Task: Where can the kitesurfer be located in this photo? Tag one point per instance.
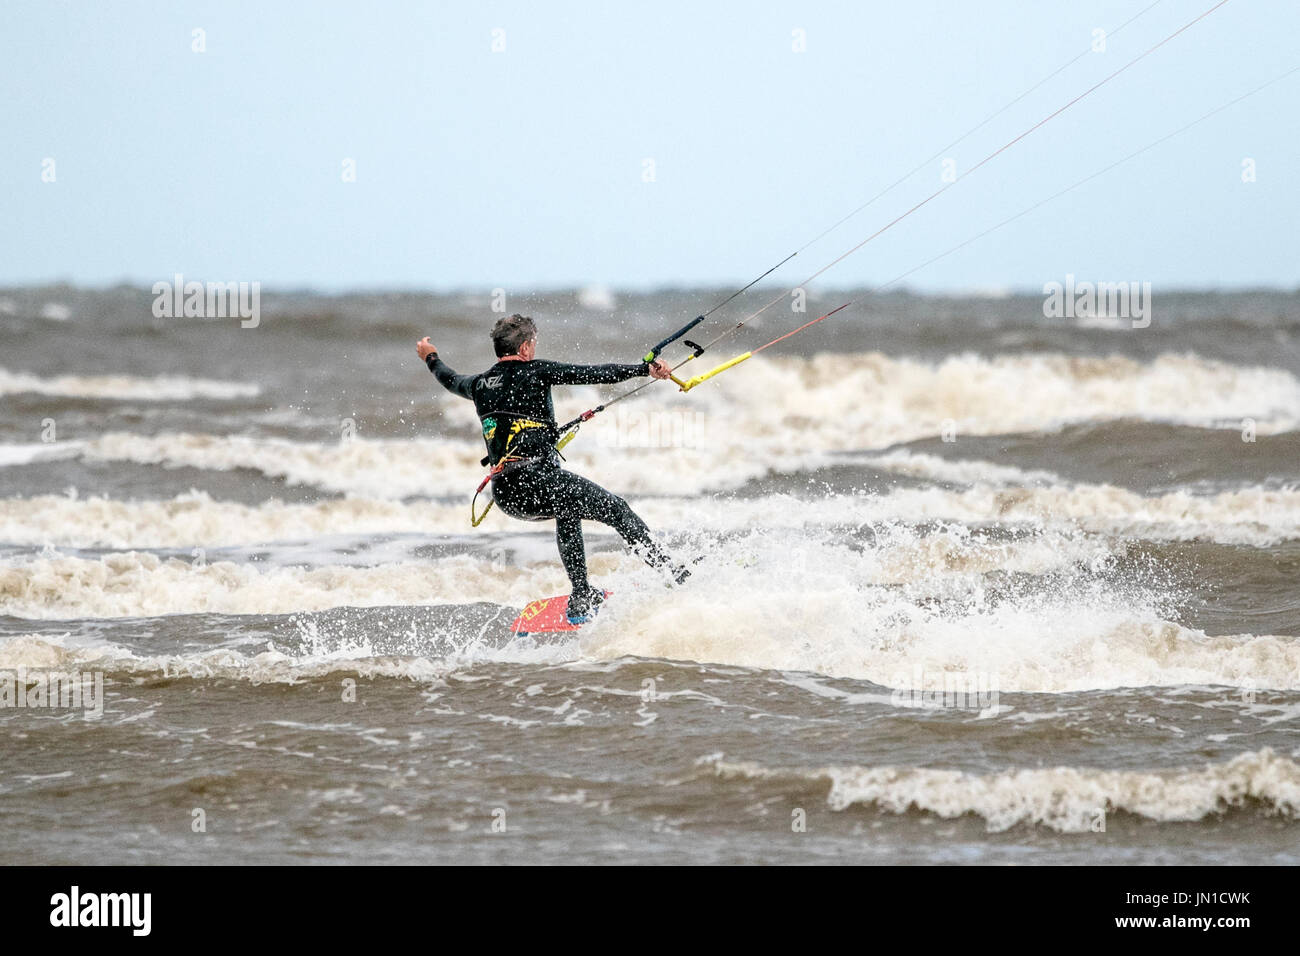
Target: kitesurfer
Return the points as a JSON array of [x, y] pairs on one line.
[[513, 401]]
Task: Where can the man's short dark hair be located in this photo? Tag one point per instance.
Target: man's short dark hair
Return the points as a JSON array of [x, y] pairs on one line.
[[509, 334]]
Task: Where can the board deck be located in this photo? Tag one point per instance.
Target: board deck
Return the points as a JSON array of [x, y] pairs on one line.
[[546, 616]]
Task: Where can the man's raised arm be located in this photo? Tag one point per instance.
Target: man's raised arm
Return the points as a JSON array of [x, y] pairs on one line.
[[462, 385]]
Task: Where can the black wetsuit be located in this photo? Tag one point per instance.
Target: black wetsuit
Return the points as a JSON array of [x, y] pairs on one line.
[[513, 401]]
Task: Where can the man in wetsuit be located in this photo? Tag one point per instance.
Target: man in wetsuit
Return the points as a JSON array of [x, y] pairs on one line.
[[513, 401]]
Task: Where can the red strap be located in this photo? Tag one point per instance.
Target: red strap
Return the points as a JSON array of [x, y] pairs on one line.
[[496, 470]]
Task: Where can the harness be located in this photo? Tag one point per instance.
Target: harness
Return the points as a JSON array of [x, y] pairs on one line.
[[500, 442]]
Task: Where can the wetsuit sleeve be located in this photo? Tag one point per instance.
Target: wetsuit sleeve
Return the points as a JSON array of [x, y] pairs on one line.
[[558, 373], [462, 385]]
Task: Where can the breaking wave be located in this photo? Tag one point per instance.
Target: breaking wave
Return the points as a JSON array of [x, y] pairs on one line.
[[783, 416], [1065, 799], [1050, 613], [1253, 516], [161, 388]]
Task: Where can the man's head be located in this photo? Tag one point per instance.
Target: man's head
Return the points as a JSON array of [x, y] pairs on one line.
[[514, 336]]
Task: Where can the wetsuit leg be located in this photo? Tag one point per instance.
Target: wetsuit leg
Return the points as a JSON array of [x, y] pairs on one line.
[[573, 551], [546, 491], [582, 499]]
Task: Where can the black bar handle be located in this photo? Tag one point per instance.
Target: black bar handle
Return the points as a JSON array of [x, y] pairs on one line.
[[654, 352]]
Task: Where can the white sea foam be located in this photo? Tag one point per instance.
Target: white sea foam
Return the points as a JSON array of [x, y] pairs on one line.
[[28, 452], [899, 617], [55, 312], [44, 652], [784, 415], [135, 583], [910, 605], [869, 400], [195, 519], [1066, 799], [597, 298], [1253, 516], [954, 471], [370, 467], [159, 389], [132, 584]]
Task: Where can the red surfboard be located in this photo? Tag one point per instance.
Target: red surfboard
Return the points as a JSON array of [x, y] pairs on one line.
[[546, 616]]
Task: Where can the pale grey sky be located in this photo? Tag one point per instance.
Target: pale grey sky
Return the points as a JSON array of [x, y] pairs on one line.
[[526, 167]]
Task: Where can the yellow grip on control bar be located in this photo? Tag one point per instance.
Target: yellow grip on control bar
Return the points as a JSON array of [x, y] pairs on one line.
[[692, 382]]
